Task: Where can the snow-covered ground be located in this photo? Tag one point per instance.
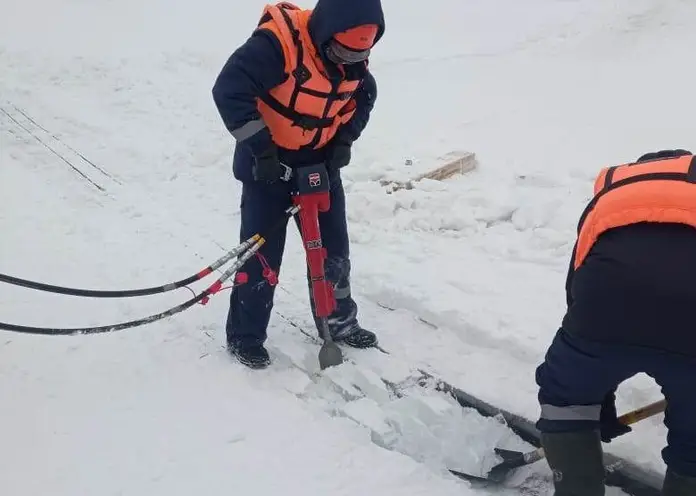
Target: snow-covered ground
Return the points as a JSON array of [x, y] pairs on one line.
[[463, 278]]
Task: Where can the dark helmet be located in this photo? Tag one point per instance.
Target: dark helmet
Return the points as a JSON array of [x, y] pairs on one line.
[[662, 154]]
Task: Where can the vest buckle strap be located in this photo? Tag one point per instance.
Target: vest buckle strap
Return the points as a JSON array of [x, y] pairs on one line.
[[309, 122]]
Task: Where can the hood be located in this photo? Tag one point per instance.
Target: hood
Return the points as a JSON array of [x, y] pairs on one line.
[[333, 16]]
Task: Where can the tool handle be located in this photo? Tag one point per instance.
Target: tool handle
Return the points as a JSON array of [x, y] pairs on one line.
[[643, 412]]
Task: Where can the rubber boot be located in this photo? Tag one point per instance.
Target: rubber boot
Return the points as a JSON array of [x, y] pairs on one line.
[[678, 485], [577, 462]]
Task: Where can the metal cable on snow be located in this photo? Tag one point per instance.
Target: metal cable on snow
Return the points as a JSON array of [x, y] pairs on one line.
[[52, 150]]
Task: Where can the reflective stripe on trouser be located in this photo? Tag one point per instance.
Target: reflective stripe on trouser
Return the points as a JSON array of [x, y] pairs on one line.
[[571, 412]]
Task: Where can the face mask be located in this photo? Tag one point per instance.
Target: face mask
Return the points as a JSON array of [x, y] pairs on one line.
[[339, 54]]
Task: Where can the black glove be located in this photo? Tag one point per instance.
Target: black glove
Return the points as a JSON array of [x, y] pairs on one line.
[[267, 167], [339, 154], [609, 424]]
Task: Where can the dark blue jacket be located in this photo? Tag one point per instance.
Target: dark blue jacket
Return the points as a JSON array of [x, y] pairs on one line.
[[258, 66], [636, 287]]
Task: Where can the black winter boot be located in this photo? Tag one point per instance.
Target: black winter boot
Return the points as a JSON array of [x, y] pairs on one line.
[[253, 356], [577, 462], [678, 485], [360, 338]]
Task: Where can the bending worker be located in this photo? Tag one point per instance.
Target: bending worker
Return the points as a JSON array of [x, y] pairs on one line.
[[631, 293]]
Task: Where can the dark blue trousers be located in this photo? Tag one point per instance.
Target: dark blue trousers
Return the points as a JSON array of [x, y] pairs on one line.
[[262, 206], [577, 374]]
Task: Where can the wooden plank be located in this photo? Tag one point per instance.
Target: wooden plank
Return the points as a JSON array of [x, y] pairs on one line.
[[456, 162]]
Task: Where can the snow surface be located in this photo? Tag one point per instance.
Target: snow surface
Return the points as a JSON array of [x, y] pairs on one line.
[[463, 278]]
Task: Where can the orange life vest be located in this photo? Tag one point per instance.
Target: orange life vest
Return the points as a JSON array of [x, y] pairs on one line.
[[663, 190], [306, 109]]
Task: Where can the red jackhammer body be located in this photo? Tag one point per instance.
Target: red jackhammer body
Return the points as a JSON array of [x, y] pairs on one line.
[[313, 197], [322, 291]]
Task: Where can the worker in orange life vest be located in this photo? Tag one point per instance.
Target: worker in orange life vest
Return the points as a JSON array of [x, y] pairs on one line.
[[297, 92], [631, 292]]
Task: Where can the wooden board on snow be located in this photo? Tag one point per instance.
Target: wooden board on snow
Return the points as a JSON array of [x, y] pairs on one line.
[[456, 162]]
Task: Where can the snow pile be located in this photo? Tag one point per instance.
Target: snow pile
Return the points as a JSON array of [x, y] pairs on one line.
[[170, 414], [408, 415]]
